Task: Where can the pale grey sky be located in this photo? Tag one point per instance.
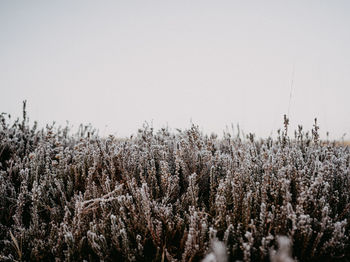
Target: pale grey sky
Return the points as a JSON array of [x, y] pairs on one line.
[[117, 64]]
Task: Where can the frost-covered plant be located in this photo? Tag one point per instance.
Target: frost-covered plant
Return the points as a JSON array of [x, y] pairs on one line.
[[171, 196]]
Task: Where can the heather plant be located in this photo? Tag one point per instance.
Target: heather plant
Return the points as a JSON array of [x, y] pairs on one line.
[[171, 196]]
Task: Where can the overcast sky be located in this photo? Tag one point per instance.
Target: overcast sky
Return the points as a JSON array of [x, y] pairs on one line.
[[116, 64]]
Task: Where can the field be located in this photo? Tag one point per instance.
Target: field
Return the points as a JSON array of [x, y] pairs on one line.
[[171, 196]]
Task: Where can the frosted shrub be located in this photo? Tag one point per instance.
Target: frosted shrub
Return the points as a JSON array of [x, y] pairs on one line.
[[163, 196]]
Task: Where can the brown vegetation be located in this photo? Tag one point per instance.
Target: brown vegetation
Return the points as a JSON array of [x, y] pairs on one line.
[[166, 196]]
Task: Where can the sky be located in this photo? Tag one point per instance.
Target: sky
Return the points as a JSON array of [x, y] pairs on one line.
[[117, 64]]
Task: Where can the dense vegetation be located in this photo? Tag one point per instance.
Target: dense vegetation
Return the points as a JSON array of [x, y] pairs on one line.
[[166, 196]]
